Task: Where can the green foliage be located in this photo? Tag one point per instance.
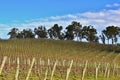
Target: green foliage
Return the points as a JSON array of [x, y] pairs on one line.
[[111, 32], [89, 33], [55, 32], [74, 31], [13, 33], [41, 32], [27, 33]]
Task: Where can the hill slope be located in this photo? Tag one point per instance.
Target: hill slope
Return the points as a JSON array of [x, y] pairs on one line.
[[59, 49]]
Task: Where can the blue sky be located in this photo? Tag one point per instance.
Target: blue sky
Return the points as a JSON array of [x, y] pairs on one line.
[[32, 13], [11, 10]]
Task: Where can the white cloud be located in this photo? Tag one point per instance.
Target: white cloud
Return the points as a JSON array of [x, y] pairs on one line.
[[93, 14], [113, 5], [63, 17], [99, 19]]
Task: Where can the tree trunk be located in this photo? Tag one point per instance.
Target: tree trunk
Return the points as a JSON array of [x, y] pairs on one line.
[[112, 41]]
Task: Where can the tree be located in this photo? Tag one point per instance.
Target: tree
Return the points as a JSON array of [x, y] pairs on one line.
[[41, 32], [69, 34], [55, 32], [27, 33], [89, 33], [74, 30], [50, 32], [112, 32], [102, 37], [77, 30], [13, 33], [105, 32], [20, 35]]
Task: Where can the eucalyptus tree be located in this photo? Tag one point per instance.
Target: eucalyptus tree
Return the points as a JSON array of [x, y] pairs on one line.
[[41, 32], [55, 32], [13, 33], [69, 34], [77, 30], [102, 37], [27, 33], [74, 30], [90, 33], [112, 32], [20, 35]]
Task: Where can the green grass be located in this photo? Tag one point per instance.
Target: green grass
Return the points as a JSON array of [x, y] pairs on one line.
[[60, 50]]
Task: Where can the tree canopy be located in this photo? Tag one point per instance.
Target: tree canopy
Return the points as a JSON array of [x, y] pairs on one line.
[[74, 31]]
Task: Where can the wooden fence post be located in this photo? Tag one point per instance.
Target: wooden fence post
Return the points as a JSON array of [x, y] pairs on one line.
[[3, 63], [33, 61]]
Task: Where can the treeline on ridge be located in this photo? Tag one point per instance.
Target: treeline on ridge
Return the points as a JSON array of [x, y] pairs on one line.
[[74, 31]]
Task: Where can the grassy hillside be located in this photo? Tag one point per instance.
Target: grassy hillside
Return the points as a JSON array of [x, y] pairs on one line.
[[103, 60], [59, 49]]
